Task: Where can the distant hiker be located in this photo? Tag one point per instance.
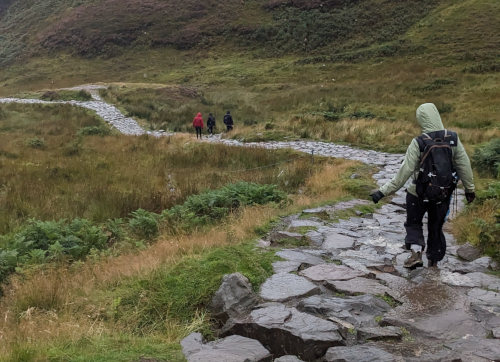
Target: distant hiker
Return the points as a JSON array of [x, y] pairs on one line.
[[435, 160], [228, 121], [198, 124], [210, 123]]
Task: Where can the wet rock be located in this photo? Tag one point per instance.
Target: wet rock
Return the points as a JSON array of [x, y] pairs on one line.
[[234, 297], [286, 266], [485, 281], [337, 241], [496, 332], [323, 272], [286, 331], [457, 279], [358, 286], [282, 287], [304, 223], [470, 347], [230, 349], [300, 256], [288, 358], [478, 265], [315, 237], [359, 310], [484, 297], [379, 333], [468, 252], [361, 353]]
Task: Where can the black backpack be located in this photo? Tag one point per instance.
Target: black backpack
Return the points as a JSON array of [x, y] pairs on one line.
[[437, 177]]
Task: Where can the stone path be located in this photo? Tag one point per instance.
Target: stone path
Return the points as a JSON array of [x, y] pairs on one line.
[[345, 296]]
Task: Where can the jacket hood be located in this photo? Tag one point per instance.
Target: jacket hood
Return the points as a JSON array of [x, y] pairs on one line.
[[199, 114], [428, 118]]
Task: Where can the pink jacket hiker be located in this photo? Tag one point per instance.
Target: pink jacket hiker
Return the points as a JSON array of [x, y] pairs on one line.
[[198, 121]]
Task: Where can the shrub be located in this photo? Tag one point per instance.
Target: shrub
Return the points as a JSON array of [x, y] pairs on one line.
[[213, 205], [36, 142], [144, 223], [486, 158], [101, 130]]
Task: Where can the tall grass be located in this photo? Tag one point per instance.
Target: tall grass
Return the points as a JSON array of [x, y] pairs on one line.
[[100, 178]]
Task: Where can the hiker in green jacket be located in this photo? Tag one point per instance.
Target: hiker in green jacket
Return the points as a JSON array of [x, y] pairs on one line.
[[418, 204]]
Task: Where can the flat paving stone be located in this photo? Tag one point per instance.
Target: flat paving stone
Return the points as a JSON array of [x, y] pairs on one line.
[[361, 353], [300, 256], [338, 241], [304, 223], [288, 358], [379, 333], [286, 331], [359, 310], [283, 287], [323, 272], [358, 286], [486, 297], [230, 349], [286, 266], [470, 347]]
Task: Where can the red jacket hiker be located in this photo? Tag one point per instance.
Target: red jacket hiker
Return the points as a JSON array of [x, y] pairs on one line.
[[198, 121]]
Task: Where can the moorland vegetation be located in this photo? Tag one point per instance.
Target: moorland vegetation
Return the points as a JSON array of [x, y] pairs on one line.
[[111, 245]]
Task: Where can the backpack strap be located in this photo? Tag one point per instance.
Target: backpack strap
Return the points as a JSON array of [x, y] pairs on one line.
[[421, 141], [451, 137]]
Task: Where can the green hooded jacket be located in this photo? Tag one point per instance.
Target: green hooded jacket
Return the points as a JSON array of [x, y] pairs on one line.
[[429, 119]]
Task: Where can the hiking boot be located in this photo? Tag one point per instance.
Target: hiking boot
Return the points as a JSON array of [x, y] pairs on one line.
[[414, 260], [432, 263]]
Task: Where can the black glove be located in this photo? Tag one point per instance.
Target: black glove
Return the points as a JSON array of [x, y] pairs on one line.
[[376, 196], [470, 196]]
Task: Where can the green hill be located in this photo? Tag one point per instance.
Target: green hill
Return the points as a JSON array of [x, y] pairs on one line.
[[312, 69]]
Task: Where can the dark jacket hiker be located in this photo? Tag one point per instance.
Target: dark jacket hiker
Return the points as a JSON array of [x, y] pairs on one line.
[[228, 121], [210, 123], [435, 161]]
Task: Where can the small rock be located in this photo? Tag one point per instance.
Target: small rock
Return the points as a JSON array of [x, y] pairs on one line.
[[468, 252], [234, 297], [282, 287], [261, 243], [361, 353]]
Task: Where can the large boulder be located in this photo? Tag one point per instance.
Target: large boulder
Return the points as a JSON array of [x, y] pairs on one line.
[[229, 349], [286, 331], [234, 297]]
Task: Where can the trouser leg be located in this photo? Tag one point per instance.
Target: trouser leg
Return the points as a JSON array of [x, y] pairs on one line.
[[415, 210], [436, 242]]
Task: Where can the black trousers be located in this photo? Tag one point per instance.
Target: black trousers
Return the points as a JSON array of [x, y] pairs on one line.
[[198, 131], [210, 129], [436, 215]]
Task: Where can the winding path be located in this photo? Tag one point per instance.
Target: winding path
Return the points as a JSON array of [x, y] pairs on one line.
[[344, 295]]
